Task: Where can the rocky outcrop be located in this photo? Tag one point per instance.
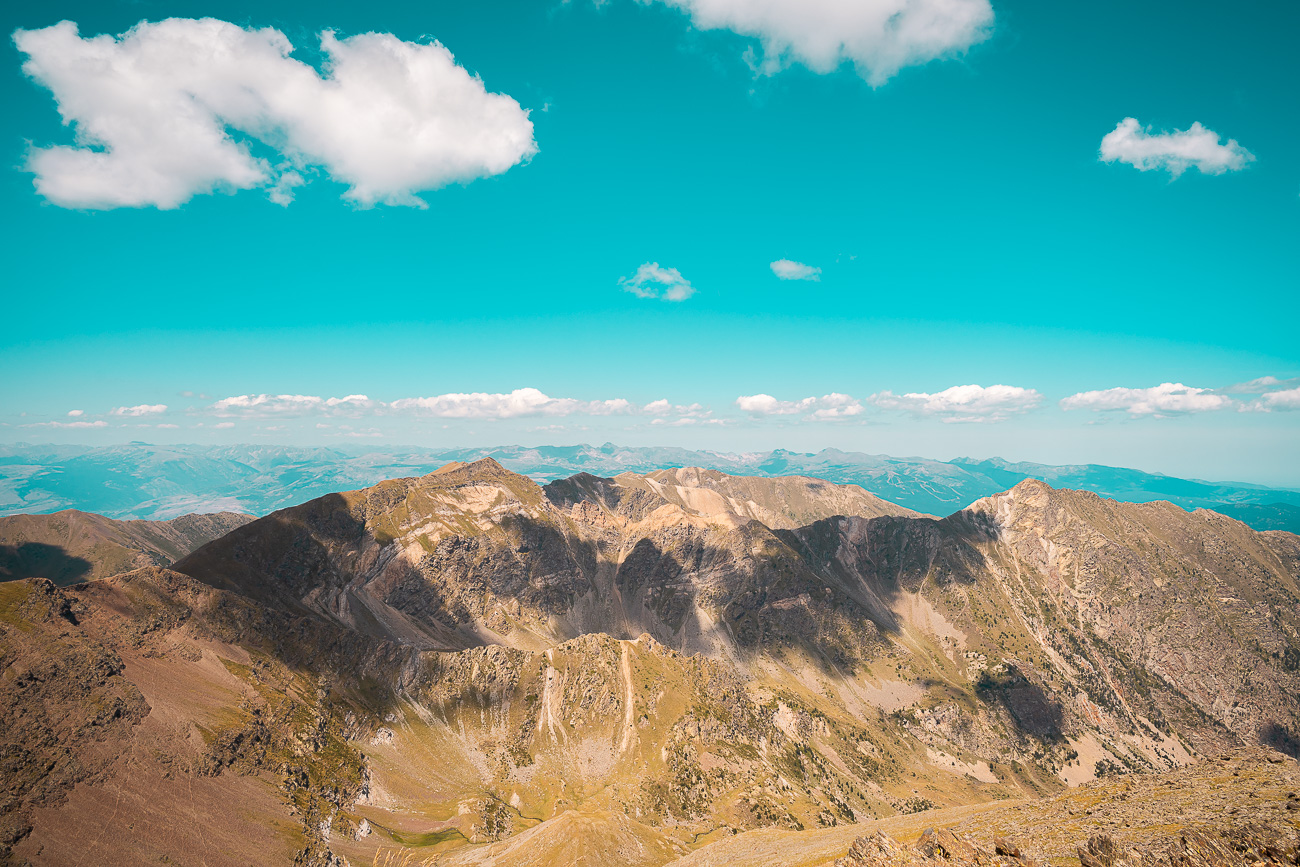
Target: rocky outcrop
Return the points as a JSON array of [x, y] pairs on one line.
[[1245, 845], [934, 849]]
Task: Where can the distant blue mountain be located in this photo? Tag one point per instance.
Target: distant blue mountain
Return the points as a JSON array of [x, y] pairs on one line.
[[139, 480]]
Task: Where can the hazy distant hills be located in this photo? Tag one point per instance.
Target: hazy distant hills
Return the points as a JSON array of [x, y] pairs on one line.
[[160, 482]]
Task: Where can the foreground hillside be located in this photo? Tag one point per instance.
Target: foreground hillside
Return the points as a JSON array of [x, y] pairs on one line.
[[71, 546], [634, 668], [1243, 804]]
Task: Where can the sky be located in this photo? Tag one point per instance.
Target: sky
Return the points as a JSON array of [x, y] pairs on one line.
[[940, 228]]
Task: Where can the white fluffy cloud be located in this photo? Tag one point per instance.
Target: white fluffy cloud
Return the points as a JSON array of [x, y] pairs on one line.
[[879, 37], [1176, 152], [520, 402], [1285, 400], [788, 270], [1169, 398], [653, 281], [152, 108], [142, 409], [472, 405], [664, 407], [76, 412], [825, 408], [291, 404], [963, 403]]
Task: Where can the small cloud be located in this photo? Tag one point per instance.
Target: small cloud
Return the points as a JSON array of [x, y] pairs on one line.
[[281, 193], [687, 422], [788, 270], [263, 405], [1283, 401], [664, 407], [653, 281], [1166, 399], [224, 425], [169, 426], [1261, 385], [826, 408], [963, 403], [76, 412], [68, 424], [141, 409], [1175, 152], [520, 402]]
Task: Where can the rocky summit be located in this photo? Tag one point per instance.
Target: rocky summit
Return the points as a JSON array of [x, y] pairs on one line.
[[682, 665]]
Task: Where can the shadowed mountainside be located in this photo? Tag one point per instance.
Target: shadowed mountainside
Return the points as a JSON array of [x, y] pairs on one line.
[[70, 546]]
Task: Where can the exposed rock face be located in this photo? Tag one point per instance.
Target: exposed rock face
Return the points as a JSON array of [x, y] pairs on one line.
[[935, 848], [1246, 845], [70, 546]]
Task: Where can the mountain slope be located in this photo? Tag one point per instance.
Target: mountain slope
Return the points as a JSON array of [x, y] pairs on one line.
[[473, 666], [72, 546]]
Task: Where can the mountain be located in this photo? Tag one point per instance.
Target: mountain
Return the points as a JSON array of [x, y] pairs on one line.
[[72, 546], [629, 669], [146, 481]]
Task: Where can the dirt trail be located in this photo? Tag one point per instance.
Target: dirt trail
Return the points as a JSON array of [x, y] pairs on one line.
[[625, 663]]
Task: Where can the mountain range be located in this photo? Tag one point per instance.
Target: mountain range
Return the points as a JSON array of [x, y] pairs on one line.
[[467, 667], [161, 482]]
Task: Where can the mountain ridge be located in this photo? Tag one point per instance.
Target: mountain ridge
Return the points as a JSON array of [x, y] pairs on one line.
[[441, 663], [165, 481]]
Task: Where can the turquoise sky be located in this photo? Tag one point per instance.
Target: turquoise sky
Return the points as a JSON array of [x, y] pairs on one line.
[[966, 231]]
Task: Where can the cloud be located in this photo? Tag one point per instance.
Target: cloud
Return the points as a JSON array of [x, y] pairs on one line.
[[1176, 152], [153, 109], [828, 407], [292, 404], [879, 37], [1285, 401], [76, 412], [963, 403], [1261, 385], [686, 422], [787, 270], [169, 426], [475, 405], [664, 407], [520, 402], [652, 281], [1169, 398], [225, 425], [142, 409], [68, 424]]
